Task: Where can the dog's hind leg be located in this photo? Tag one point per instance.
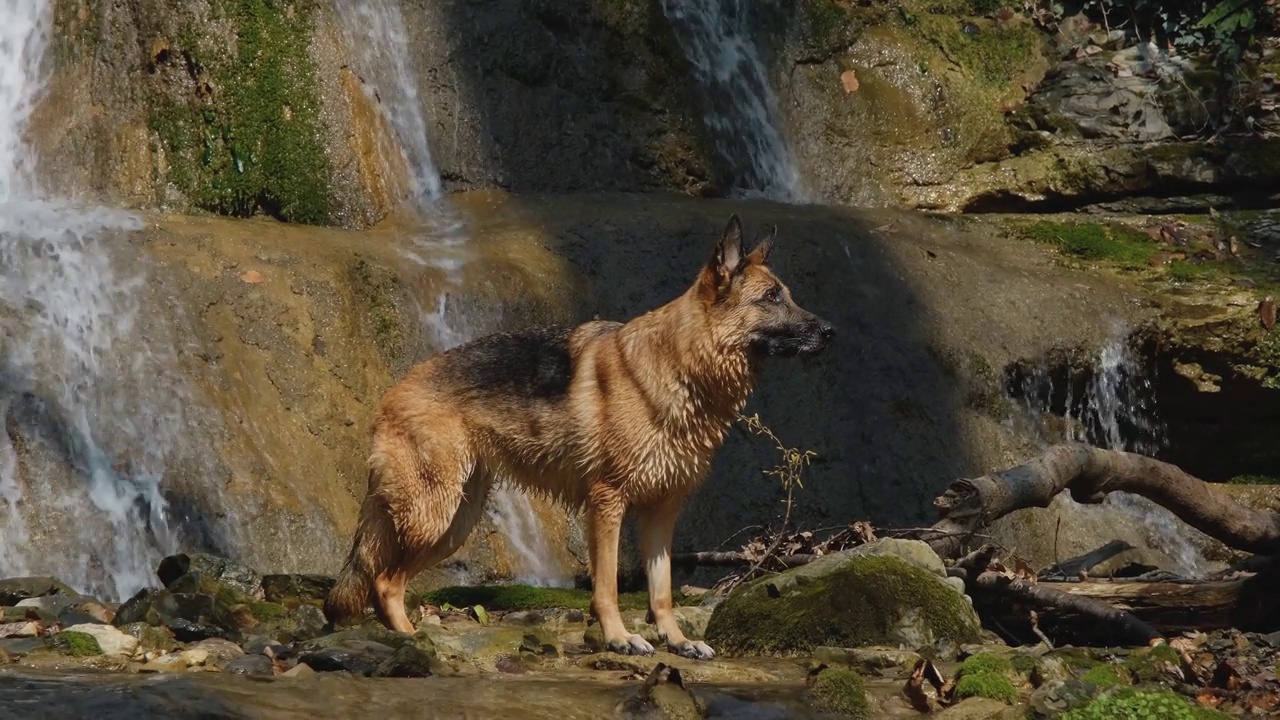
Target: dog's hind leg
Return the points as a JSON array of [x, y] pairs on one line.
[[438, 497], [657, 528]]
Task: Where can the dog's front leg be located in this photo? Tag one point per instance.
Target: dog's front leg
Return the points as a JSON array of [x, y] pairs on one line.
[[604, 528], [657, 529]]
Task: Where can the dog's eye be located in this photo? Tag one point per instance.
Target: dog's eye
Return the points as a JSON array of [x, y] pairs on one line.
[[773, 295]]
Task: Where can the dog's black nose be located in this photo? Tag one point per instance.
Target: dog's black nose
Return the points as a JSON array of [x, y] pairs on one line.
[[827, 331]]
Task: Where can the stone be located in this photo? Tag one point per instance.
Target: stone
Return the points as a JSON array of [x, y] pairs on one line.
[[868, 660], [239, 578], [978, 708], [303, 623], [110, 639], [252, 665], [408, 661], [20, 629], [296, 587], [172, 662], [218, 651], [151, 638], [359, 657], [15, 590], [1058, 696], [865, 596], [18, 647], [54, 605], [298, 671]]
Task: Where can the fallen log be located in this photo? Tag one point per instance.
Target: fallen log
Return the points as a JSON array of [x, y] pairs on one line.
[[1090, 473], [1123, 626], [734, 559]]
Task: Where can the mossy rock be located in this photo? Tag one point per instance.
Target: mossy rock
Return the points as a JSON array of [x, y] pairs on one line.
[[76, 644], [848, 599], [841, 690], [296, 588], [1105, 676], [1130, 704], [1153, 664]]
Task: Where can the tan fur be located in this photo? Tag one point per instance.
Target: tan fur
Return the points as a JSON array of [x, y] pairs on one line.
[[644, 410]]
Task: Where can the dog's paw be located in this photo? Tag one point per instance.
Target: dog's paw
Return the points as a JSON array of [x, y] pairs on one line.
[[631, 645], [693, 649]]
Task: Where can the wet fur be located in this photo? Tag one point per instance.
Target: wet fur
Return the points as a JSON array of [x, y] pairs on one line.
[[604, 417]]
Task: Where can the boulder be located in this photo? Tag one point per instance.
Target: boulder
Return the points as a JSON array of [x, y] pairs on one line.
[[111, 640], [296, 587], [877, 594], [251, 665], [15, 590]]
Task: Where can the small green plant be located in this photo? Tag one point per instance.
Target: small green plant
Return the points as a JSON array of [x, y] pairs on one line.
[[1129, 704], [985, 663], [986, 675]]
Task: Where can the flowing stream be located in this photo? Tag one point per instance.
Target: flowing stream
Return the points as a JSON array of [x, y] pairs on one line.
[[740, 107], [376, 31], [1117, 411]]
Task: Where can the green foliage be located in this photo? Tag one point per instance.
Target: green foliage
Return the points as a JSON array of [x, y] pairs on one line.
[[1104, 676], [1223, 27], [1091, 241], [993, 685], [1254, 480], [249, 141], [1129, 704], [76, 644], [985, 663], [842, 690]]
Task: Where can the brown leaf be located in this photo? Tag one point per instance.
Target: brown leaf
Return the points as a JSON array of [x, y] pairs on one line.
[[914, 689], [849, 81], [252, 277], [1209, 698], [1267, 312], [1234, 244]]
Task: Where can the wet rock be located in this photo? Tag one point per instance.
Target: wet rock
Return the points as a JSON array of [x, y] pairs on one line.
[[21, 629], [298, 671], [978, 708], [149, 605], [94, 609], [190, 616], [252, 665], [260, 645], [51, 605], [15, 590], [224, 572], [408, 661], [865, 596], [540, 643], [218, 651], [111, 640], [151, 639], [662, 696], [296, 587], [18, 647], [303, 623], [868, 660], [360, 657], [172, 662]]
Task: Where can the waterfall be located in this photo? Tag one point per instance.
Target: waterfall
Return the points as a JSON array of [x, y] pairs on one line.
[[740, 107], [376, 31], [87, 389], [1116, 411]]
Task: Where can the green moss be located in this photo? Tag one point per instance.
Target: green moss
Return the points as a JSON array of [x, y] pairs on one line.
[[1092, 241], [1104, 676], [1147, 665], [1129, 704], [985, 663], [993, 685], [76, 644], [1023, 663], [1254, 480], [1187, 271], [376, 288], [528, 597], [250, 141], [268, 611], [841, 690], [842, 602]]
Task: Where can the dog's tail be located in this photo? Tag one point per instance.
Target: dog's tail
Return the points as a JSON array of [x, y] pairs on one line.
[[353, 590]]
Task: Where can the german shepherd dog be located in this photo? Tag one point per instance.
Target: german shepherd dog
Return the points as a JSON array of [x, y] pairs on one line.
[[604, 417]]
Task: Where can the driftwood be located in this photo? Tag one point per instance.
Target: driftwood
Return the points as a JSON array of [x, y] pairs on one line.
[[1173, 607], [735, 559], [1126, 627], [1090, 473]]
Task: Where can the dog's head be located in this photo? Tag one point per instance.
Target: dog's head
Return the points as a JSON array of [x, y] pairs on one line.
[[750, 307]]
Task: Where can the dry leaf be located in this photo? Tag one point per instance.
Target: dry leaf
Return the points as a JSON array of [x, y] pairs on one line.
[[1267, 312], [251, 276], [849, 80]]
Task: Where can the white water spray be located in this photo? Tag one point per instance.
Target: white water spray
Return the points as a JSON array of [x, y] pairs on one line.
[[1118, 412], [376, 31], [79, 377], [740, 107]]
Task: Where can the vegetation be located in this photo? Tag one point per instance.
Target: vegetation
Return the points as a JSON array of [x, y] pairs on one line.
[[1104, 676], [1254, 480], [1223, 27], [249, 140], [1129, 704], [1122, 245], [76, 644], [985, 675], [843, 691]]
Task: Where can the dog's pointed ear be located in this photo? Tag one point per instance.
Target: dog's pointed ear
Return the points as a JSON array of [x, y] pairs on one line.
[[760, 254], [726, 261]]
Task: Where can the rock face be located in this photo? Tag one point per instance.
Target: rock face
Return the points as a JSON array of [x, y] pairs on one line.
[[877, 594]]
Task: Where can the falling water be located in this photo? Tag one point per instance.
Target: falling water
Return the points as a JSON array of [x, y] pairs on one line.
[[741, 109], [377, 32], [1116, 411], [81, 379]]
